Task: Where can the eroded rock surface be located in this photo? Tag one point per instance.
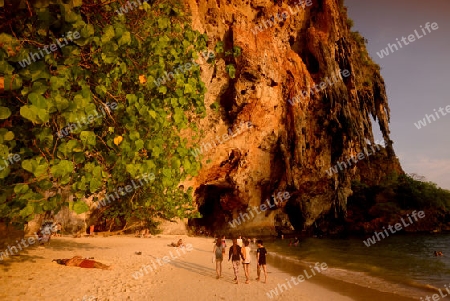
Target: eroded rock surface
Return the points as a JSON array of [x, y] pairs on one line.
[[290, 147]]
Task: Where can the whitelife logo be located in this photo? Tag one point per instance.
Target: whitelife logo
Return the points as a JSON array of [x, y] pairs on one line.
[[436, 297], [284, 16], [184, 68], [11, 157], [423, 122], [360, 156], [283, 196], [31, 241], [128, 188], [165, 259], [71, 127], [300, 278], [53, 48], [207, 146], [397, 226], [326, 82], [411, 38]]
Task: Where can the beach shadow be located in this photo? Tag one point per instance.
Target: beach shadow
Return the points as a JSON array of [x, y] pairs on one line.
[[193, 267], [201, 250], [55, 244], [69, 245], [199, 269], [5, 265]]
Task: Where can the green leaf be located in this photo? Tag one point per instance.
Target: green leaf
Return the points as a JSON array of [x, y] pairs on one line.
[[29, 165], [21, 188], [27, 211], [152, 114], [231, 70], [94, 184], [163, 23], [125, 39], [4, 112], [5, 68], [12, 82], [45, 184], [87, 31], [8, 136], [31, 113], [80, 207], [219, 48], [40, 169], [187, 164], [108, 34], [76, 3], [236, 51], [162, 89], [131, 169], [61, 169], [139, 144], [88, 138]]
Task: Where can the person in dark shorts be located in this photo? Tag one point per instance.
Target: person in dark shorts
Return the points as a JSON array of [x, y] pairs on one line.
[[261, 260]]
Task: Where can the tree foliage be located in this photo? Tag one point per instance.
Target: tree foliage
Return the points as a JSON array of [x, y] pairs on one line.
[[402, 191], [116, 59]]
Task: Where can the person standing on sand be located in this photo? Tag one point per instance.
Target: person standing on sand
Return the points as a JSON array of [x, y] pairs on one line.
[[247, 261], [218, 251], [239, 241], [261, 260], [224, 242], [235, 254]]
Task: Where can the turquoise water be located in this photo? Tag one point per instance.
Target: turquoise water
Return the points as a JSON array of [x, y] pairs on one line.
[[403, 264]]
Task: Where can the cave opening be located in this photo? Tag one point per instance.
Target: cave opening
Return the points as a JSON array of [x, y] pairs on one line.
[[214, 205], [295, 214]]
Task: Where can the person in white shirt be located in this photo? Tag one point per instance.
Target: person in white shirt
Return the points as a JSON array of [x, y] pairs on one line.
[[239, 241], [248, 259]]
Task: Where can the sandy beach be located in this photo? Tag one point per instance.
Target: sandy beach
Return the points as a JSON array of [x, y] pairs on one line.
[[184, 273]]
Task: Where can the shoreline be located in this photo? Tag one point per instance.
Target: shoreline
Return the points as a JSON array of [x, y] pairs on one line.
[[189, 272], [355, 290], [32, 275]]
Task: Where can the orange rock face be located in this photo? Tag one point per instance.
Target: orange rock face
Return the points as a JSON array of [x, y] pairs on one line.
[[288, 50]]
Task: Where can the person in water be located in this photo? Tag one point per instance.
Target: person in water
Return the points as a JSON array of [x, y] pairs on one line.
[[438, 253], [295, 243]]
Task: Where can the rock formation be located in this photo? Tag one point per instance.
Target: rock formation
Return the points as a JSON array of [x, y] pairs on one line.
[[310, 91]]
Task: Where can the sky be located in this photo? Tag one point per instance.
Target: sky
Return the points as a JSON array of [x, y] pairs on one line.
[[417, 78]]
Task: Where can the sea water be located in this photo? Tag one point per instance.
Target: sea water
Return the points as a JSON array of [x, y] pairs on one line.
[[402, 264]]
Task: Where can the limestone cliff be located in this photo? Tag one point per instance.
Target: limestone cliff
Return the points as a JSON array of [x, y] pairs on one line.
[[309, 89]]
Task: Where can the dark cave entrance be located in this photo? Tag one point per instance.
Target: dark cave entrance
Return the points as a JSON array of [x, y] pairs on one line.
[[214, 205], [295, 215]]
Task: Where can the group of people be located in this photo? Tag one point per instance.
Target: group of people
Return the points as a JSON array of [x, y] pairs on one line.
[[438, 253], [295, 243], [240, 250]]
